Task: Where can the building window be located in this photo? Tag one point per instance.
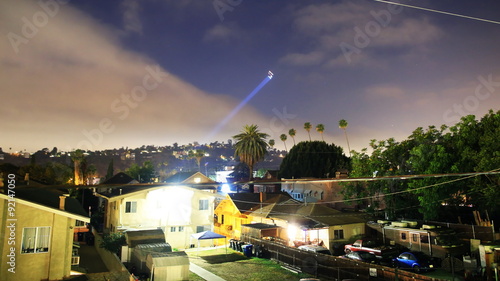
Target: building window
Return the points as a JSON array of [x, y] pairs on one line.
[[35, 239], [424, 239], [172, 229], [403, 236], [203, 204], [222, 219], [130, 207], [338, 234], [414, 237], [181, 228], [201, 228]]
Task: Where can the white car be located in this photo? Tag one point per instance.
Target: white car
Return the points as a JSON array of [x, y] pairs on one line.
[[315, 249]]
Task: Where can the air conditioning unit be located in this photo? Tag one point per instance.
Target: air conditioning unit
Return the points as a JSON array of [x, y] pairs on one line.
[[75, 260]]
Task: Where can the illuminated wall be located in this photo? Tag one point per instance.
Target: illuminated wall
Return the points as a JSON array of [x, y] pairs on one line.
[[175, 209]]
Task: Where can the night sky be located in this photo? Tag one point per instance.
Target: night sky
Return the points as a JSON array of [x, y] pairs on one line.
[[110, 74]]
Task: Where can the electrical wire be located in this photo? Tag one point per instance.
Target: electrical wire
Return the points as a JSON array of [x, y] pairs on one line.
[[438, 11]]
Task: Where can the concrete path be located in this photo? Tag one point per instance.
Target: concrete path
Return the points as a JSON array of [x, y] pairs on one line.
[[203, 273], [91, 260]]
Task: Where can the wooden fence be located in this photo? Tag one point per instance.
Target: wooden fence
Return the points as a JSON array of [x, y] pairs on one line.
[[330, 267]]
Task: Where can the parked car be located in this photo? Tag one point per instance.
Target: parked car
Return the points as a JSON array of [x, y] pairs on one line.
[[373, 247], [415, 261], [315, 249], [362, 256]]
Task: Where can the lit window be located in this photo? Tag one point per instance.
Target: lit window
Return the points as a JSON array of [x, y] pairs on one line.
[[130, 207], [35, 239], [197, 180], [203, 204]]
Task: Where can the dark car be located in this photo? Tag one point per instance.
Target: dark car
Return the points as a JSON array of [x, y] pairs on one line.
[[362, 256], [415, 261]]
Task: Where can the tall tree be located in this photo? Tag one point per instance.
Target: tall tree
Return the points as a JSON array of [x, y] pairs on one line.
[[111, 170], [292, 133], [343, 125], [250, 146], [283, 139], [320, 128], [313, 159], [78, 162], [307, 127], [271, 143], [143, 174], [199, 154]]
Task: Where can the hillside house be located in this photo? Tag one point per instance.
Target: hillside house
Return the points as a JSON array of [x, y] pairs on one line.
[[181, 206], [36, 234]]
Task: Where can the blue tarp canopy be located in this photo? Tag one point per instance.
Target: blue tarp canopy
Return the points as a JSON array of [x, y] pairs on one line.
[[207, 235]]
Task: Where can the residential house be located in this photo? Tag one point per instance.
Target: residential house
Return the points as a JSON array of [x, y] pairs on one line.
[[311, 223], [181, 206], [233, 211], [269, 183], [318, 190], [36, 234]]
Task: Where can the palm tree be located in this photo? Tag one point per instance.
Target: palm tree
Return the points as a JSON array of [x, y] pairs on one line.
[[320, 128], [343, 125], [199, 154], [271, 143], [307, 127], [250, 146], [292, 133], [78, 158], [283, 139]]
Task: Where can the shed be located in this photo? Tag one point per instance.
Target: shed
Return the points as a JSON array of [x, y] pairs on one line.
[[168, 266], [261, 230], [137, 237], [141, 251]]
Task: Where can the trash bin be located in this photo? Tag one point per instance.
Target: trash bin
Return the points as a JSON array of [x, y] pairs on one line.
[[247, 250], [231, 244], [239, 246]]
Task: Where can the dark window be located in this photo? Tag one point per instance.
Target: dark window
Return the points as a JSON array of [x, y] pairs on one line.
[[130, 207], [338, 234], [403, 236], [414, 237], [424, 239]]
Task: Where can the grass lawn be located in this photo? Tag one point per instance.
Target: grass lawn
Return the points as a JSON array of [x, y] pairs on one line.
[[235, 266]]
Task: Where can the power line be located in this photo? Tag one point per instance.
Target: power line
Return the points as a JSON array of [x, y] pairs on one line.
[[440, 12], [406, 177]]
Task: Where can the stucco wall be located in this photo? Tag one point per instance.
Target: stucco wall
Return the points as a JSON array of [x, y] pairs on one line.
[[54, 264]]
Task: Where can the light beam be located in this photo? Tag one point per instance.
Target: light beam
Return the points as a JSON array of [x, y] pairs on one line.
[[240, 105]]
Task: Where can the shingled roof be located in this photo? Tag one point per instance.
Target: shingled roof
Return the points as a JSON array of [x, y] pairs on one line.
[[50, 198]]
